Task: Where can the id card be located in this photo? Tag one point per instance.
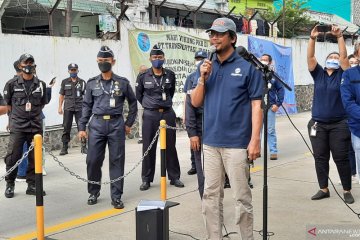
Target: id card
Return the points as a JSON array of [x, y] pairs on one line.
[[313, 130], [78, 93], [164, 96], [112, 102], [28, 106]]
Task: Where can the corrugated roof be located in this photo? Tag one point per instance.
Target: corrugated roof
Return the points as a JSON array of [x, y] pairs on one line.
[[89, 6], [209, 6]]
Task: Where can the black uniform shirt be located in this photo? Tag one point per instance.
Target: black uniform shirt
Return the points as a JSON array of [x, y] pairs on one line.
[[2, 101], [16, 95], [97, 99], [149, 89], [73, 93]]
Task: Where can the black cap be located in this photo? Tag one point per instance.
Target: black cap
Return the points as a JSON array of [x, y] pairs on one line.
[[73, 66], [156, 50], [16, 66], [200, 54], [105, 52], [25, 57]]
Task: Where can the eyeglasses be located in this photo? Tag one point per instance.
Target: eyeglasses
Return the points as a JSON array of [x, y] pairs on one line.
[[216, 34]]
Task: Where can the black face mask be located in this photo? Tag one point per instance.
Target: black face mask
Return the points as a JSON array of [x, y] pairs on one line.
[[28, 69], [104, 66]]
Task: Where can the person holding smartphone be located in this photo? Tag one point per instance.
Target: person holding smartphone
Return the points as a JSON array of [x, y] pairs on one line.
[[328, 127]]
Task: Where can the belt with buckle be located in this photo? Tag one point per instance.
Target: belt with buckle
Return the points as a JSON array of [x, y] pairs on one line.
[[107, 117], [161, 110]]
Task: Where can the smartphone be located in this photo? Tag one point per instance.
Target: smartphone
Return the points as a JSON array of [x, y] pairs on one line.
[[52, 81], [324, 28]]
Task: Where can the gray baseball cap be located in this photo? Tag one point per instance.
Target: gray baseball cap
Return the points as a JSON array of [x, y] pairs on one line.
[[223, 25]]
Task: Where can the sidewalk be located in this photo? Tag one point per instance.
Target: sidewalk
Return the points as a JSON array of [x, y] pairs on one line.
[[291, 183]]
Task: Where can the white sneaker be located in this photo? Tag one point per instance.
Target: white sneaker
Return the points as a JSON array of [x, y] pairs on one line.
[[20, 179], [44, 173]]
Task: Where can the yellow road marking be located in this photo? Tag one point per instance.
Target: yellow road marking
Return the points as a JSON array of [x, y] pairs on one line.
[[71, 223], [86, 219], [308, 154], [256, 169]]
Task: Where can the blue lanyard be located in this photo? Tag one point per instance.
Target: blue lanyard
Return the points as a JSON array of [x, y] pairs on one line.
[[111, 88]]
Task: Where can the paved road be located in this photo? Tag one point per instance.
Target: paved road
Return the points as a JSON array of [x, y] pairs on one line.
[[292, 181]]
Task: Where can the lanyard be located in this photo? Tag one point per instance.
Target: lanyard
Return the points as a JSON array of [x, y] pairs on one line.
[[26, 93], [111, 90], [161, 82]]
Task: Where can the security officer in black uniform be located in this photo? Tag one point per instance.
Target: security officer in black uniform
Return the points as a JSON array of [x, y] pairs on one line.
[[25, 96], [155, 89], [72, 91], [193, 122], [104, 101], [3, 107]]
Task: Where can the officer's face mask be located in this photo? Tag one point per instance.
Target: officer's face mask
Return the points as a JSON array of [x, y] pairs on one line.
[[104, 66], [332, 64], [157, 63], [28, 69], [73, 75], [197, 63]]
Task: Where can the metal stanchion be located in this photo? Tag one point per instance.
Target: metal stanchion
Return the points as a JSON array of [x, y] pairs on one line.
[[163, 159], [39, 187]]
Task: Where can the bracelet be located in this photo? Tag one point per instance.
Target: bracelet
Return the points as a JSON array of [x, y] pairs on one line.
[[313, 38]]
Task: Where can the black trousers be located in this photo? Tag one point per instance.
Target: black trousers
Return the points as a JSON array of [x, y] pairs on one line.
[[112, 133], [14, 153], [67, 124], [334, 138], [199, 171], [151, 123]]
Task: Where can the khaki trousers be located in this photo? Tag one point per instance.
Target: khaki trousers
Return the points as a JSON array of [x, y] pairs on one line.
[[234, 162]]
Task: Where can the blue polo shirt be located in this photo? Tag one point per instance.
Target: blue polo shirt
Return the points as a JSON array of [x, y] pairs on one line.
[[227, 105], [189, 82], [350, 94], [327, 106]]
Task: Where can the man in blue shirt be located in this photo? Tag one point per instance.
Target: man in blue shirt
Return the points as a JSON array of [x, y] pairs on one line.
[[189, 82], [350, 95], [193, 123], [276, 98], [230, 89]]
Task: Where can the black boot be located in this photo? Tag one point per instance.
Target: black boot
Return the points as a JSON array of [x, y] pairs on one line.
[[9, 191], [64, 149]]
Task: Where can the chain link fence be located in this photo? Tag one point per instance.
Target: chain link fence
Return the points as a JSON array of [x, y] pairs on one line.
[[82, 178], [113, 180], [31, 147]]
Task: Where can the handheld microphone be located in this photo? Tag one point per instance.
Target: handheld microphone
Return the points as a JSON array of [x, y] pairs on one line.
[[212, 51]]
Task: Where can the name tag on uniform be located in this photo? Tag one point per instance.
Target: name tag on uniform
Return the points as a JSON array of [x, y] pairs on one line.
[[112, 102], [78, 93], [28, 107], [164, 96]]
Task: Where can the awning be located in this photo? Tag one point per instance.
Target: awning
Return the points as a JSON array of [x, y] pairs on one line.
[[88, 6]]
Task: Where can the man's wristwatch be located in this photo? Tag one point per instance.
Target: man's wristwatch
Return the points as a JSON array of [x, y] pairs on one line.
[[201, 82]]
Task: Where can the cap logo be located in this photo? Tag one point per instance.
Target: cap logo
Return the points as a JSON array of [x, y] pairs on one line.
[[218, 22], [27, 55], [73, 65]]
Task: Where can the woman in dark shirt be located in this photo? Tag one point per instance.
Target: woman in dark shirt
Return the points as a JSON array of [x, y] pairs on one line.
[[328, 129]]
